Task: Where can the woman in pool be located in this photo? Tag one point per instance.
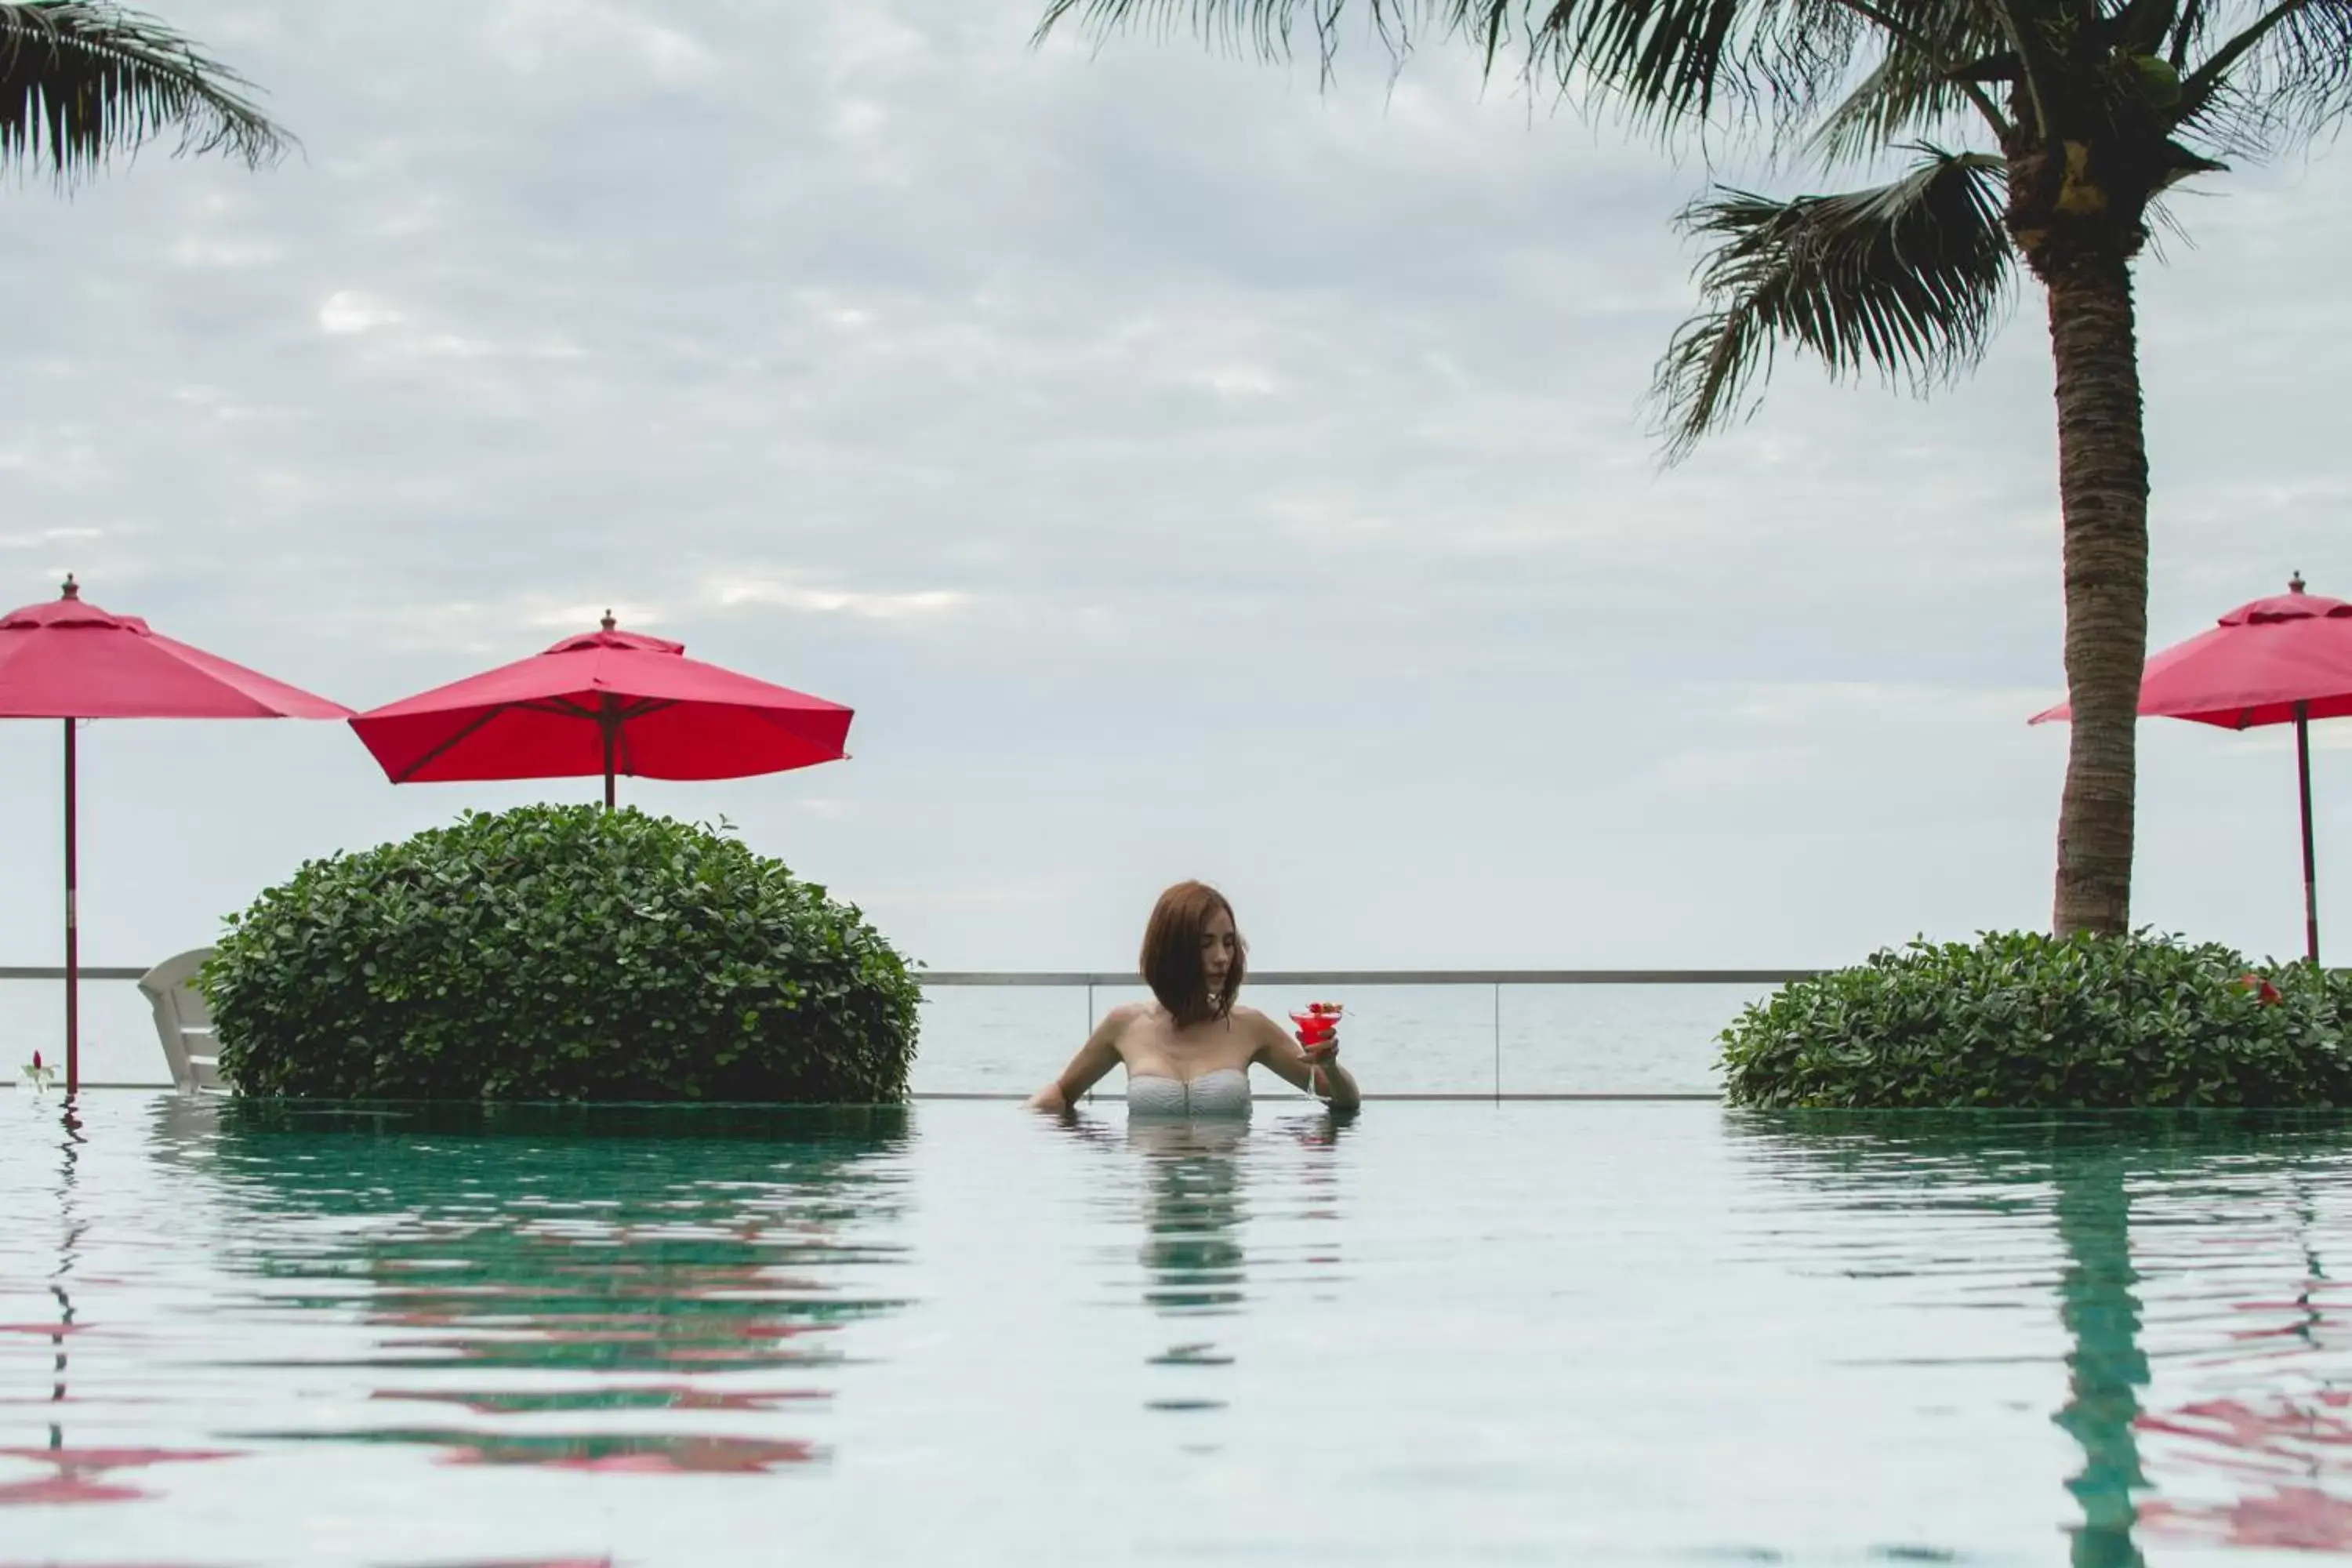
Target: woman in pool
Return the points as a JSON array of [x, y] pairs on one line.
[[1188, 1051]]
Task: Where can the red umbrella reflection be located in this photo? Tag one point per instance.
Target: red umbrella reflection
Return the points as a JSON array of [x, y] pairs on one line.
[[79, 1473]]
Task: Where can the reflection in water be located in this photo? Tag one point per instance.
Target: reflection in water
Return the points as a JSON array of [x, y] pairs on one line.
[[2262, 1412], [69, 1235], [1994, 1339], [1201, 1182], [644, 1454], [2105, 1364], [1192, 1211], [75, 1473], [573, 1288], [2174, 1226], [80, 1475]]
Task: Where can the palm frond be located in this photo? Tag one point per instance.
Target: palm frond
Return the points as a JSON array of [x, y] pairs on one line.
[[1675, 61], [1907, 94], [1670, 62], [1268, 28], [1782, 62], [2189, 30], [81, 80], [2283, 77], [1909, 277]]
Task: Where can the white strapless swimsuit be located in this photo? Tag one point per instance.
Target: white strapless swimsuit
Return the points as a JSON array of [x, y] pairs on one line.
[[1225, 1092]]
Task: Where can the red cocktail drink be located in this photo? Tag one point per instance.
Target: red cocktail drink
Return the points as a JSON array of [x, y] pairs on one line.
[[1319, 1024]]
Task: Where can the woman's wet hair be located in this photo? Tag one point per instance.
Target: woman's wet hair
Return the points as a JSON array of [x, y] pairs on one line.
[[1171, 954]]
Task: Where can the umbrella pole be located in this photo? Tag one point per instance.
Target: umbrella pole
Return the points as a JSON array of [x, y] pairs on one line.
[[609, 721], [73, 933], [2310, 862]]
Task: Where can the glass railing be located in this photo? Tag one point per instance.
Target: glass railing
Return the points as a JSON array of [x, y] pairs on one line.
[[1447, 1034]]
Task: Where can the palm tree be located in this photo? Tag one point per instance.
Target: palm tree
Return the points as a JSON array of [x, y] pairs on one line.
[[2091, 111], [81, 80]]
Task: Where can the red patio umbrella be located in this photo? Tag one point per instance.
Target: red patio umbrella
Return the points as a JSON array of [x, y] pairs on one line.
[[2274, 661], [68, 659], [609, 702]]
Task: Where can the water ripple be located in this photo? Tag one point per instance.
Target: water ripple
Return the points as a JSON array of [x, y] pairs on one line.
[[1431, 1333]]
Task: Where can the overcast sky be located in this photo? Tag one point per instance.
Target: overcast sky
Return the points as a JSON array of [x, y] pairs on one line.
[[1183, 468]]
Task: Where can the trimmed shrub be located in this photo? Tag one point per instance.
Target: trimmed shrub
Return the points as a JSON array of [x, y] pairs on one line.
[[560, 953], [2021, 1020]]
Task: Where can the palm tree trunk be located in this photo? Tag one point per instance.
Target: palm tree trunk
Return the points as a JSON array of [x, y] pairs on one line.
[[2102, 493]]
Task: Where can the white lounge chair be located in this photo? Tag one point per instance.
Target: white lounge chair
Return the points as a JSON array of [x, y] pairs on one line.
[[183, 1023]]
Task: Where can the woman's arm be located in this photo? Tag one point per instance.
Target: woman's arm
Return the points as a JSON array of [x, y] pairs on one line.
[[1096, 1058], [1288, 1059]]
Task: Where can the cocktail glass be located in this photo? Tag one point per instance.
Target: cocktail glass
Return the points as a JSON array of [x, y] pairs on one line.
[[1318, 1023]]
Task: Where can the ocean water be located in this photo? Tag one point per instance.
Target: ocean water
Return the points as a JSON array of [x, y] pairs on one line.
[[1445, 1039], [1431, 1333], [1463, 1039]]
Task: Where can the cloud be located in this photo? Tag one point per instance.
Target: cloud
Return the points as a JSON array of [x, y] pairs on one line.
[[596, 37], [922, 602], [348, 313], [1876, 701], [201, 250], [40, 539], [1238, 381]]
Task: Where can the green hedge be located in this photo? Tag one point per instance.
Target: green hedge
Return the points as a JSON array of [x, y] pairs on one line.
[[2027, 1021], [560, 953]]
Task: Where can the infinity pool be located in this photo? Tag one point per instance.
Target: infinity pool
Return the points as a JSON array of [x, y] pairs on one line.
[[959, 1334]]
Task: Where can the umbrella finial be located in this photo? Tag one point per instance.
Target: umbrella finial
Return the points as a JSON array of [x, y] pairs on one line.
[[72, 589], [2294, 583], [609, 623]]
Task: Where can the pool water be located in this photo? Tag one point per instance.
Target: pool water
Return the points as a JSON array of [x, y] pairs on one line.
[[961, 1333]]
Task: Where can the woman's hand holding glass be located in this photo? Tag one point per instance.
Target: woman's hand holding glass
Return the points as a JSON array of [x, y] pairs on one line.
[[1318, 1036]]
